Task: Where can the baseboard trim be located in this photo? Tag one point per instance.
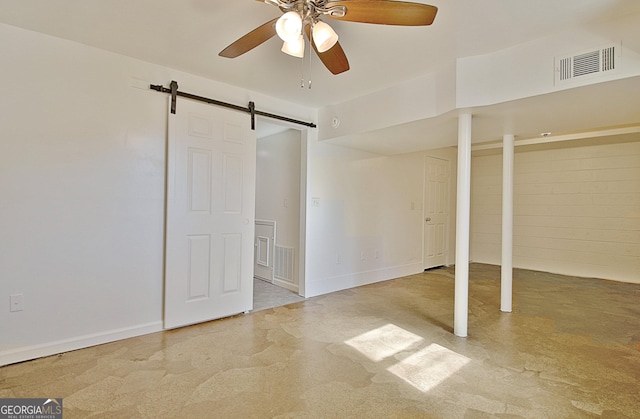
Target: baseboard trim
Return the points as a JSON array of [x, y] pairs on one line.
[[357, 279], [285, 284], [29, 352]]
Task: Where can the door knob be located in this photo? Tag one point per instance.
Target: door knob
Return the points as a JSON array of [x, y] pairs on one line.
[[427, 219]]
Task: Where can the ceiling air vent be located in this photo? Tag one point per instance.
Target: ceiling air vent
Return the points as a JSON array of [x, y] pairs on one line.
[[597, 61]]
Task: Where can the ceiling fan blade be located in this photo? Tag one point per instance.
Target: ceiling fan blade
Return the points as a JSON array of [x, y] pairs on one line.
[[334, 58], [251, 40], [386, 12]]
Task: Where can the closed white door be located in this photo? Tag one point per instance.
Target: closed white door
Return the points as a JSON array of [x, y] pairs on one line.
[[210, 214], [264, 245], [436, 212]]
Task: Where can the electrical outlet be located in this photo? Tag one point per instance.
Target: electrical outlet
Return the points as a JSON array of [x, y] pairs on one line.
[[363, 255], [338, 260], [376, 254], [16, 302]]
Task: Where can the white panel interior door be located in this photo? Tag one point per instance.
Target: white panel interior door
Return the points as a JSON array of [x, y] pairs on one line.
[[210, 214], [436, 212], [264, 245]]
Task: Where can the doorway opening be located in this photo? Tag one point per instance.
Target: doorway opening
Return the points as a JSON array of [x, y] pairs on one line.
[[280, 197]]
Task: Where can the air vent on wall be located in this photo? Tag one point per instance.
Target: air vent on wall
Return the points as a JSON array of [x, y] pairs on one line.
[[284, 263], [592, 62]]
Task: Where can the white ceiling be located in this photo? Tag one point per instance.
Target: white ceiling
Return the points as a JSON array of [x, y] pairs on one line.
[[188, 34]]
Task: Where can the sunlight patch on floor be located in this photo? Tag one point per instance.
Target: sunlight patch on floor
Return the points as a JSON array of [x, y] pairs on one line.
[[424, 369], [383, 342], [429, 367]]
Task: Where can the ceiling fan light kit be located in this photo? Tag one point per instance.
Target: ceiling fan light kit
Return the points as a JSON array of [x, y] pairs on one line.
[[294, 48], [303, 17], [324, 36], [289, 26]]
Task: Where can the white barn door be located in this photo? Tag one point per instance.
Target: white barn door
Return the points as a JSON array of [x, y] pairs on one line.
[[210, 214]]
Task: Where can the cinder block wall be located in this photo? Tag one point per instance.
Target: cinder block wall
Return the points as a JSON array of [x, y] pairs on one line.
[[576, 210]]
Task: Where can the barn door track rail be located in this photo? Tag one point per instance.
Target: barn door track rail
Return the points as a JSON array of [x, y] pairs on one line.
[[251, 109]]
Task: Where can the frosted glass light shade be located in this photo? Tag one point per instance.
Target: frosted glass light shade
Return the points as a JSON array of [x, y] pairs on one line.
[[324, 36], [294, 48], [289, 26]]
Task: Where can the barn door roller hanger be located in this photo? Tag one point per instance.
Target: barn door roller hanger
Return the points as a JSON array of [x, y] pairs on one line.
[[251, 109]]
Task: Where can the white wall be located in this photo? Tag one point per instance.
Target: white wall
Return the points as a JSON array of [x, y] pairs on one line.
[[361, 203], [528, 69], [424, 97], [576, 210], [361, 224], [82, 191], [278, 188]]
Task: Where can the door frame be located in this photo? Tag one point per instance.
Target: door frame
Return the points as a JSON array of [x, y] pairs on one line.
[[306, 135]]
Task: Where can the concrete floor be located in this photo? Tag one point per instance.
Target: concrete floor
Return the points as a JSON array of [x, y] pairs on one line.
[[570, 349]]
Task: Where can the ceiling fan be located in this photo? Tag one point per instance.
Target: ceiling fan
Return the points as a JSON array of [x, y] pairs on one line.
[[304, 16]]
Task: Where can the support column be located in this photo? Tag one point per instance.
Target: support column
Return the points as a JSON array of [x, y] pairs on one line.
[[506, 282], [461, 306]]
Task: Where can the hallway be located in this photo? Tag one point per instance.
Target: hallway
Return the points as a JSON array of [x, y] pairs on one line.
[[570, 349], [266, 295]]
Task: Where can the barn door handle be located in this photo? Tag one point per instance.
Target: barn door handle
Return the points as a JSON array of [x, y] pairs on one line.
[[427, 219]]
